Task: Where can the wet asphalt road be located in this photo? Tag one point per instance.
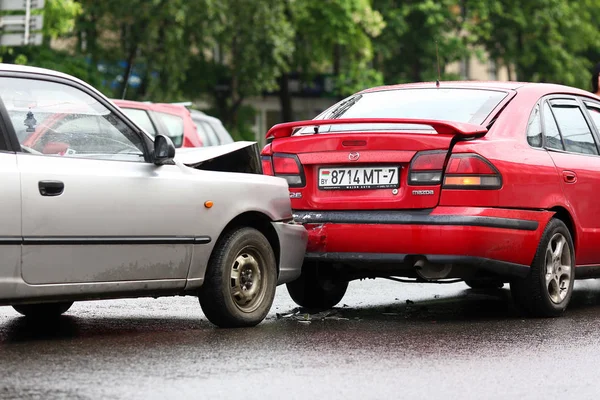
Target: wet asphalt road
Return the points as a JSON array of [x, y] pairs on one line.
[[445, 342]]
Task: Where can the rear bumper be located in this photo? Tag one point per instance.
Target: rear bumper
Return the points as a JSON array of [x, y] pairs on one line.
[[500, 240], [292, 246]]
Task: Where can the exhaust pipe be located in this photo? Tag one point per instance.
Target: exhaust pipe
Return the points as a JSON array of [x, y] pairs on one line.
[[432, 272]]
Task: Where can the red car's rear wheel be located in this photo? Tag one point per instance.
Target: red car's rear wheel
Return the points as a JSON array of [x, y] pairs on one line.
[[547, 290], [317, 288]]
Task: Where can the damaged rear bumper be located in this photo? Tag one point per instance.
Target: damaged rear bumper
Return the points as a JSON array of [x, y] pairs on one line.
[[503, 241]]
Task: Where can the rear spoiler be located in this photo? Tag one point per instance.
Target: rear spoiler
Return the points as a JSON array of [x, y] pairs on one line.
[[441, 127]]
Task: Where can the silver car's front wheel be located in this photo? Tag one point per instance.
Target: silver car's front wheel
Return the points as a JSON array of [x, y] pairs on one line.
[[547, 290], [43, 310], [248, 286], [240, 280]]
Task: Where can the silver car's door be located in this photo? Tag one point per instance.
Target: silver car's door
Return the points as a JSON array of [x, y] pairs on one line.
[[10, 223], [94, 209]]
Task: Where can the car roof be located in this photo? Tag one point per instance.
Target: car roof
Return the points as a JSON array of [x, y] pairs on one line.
[[34, 70], [491, 85], [175, 109], [451, 84], [205, 117]]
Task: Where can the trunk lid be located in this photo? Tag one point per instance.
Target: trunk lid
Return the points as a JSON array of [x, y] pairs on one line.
[[361, 170]]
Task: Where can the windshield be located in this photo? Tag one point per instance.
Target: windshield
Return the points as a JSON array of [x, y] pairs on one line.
[[459, 105]]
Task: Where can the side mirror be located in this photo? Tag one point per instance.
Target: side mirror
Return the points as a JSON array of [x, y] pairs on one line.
[[164, 150]]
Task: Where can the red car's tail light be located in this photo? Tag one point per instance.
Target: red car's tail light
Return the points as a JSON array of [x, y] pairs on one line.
[[267, 165], [426, 168], [469, 164], [266, 160], [464, 171], [285, 165], [288, 166], [471, 171]]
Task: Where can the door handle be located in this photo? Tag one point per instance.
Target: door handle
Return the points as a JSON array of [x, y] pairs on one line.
[[51, 188], [569, 176]]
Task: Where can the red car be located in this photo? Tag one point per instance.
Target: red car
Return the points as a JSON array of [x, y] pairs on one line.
[[186, 128], [488, 183], [172, 120]]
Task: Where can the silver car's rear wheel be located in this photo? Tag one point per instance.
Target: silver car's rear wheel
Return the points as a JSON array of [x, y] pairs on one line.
[[547, 290], [240, 280]]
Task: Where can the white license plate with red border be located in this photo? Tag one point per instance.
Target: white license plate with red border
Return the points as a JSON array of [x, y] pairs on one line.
[[356, 178]]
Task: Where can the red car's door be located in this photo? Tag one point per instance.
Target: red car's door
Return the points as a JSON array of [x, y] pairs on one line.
[[574, 150]]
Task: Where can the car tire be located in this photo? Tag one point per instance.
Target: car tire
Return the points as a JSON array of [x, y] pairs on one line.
[[547, 289], [484, 284], [43, 310], [240, 280], [316, 289]]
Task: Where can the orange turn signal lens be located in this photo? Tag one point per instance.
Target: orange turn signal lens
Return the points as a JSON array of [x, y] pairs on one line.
[[208, 204], [462, 180]]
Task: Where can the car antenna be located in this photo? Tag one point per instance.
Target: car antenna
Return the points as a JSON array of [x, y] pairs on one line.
[[437, 56]]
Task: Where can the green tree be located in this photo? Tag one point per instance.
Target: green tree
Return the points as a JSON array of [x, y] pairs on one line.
[[332, 36], [146, 35], [250, 47], [406, 50], [545, 40]]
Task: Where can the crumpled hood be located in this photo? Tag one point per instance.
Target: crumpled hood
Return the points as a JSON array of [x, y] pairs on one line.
[[232, 157]]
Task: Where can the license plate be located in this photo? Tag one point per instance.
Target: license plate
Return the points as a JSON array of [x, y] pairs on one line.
[[358, 178]]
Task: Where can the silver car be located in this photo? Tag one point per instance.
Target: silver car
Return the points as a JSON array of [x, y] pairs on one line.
[[96, 209]]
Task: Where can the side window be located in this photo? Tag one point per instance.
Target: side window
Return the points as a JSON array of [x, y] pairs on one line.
[[576, 133], [59, 120], [551, 132], [214, 139], [534, 128], [224, 136], [594, 112], [141, 118], [202, 134], [174, 126]]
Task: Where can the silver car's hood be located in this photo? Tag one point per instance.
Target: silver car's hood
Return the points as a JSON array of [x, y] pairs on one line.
[[233, 157]]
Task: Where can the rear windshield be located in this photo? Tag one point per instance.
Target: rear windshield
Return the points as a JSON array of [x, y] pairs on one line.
[[458, 105]]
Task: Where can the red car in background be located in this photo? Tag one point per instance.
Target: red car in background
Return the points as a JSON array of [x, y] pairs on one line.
[[484, 182], [186, 128]]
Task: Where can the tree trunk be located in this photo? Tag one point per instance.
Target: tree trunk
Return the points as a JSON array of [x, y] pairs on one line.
[[522, 75], [416, 70], [129, 68], [337, 59], [285, 98]]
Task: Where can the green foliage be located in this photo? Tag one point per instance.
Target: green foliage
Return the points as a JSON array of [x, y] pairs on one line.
[[226, 51], [406, 50], [59, 17], [344, 43], [244, 51], [545, 40]]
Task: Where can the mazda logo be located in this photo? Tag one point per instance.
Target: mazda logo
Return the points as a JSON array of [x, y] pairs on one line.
[[354, 156]]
